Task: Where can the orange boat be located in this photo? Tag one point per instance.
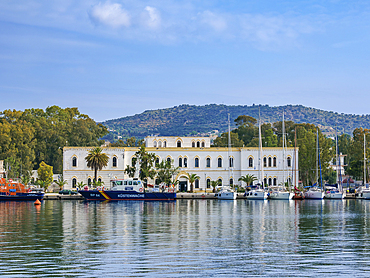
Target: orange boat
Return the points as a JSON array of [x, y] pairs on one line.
[[15, 191]]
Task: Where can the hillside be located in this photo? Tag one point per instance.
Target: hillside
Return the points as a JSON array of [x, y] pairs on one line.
[[191, 119]]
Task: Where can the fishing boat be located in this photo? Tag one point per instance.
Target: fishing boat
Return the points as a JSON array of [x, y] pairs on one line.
[[127, 189], [316, 192], [226, 192], [258, 192], [13, 190], [280, 192]]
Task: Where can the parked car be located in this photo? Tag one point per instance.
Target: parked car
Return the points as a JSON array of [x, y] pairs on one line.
[[67, 192]]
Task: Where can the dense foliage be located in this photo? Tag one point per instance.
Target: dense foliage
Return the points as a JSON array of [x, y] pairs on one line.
[[27, 138], [187, 120]]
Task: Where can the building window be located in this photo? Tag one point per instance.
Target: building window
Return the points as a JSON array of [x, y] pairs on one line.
[[231, 182], [179, 144], [156, 182], [270, 181], [180, 162], [219, 182], [74, 182], [231, 162], [289, 162], [114, 161], [198, 144], [185, 162], [196, 162], [208, 183], [168, 161], [133, 162], [203, 145], [159, 144], [196, 183], [250, 162], [264, 181], [155, 144], [99, 179], [193, 144], [157, 162], [264, 162], [275, 181], [89, 181], [219, 162], [270, 162], [164, 144], [208, 162], [74, 161], [274, 162]]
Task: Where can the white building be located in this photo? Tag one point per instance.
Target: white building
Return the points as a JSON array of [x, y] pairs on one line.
[[194, 156]]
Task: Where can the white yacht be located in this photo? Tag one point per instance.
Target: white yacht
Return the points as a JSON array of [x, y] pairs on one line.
[[256, 194], [226, 193], [280, 193], [314, 193], [333, 193]]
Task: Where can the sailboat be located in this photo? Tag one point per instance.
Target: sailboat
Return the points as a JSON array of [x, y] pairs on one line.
[[280, 192], [316, 192], [258, 193], [335, 192], [227, 193], [365, 191]]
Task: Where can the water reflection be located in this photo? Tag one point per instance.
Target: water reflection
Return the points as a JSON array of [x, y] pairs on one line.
[[185, 238]]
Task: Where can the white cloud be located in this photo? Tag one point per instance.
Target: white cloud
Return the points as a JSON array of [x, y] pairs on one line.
[[110, 14], [152, 17], [217, 22]]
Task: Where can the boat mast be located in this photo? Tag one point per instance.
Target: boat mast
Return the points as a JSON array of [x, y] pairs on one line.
[[364, 159], [318, 148], [295, 157], [260, 147], [229, 147], [317, 155], [284, 151], [336, 155]]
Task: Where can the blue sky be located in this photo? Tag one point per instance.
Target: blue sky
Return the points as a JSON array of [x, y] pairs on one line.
[[118, 58]]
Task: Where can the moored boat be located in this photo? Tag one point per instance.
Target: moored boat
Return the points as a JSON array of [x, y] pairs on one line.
[[127, 189], [15, 191]]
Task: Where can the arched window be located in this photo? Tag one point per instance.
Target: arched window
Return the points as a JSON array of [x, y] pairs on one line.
[[133, 162], [156, 162], [289, 162], [231, 182], [250, 162], [99, 179], [274, 162], [74, 182], [219, 182], [264, 162], [231, 162], [168, 161], [196, 183], [156, 182], [179, 144], [274, 181], [193, 144], [89, 181], [114, 161], [164, 144], [270, 162], [198, 144], [208, 162], [208, 183], [219, 162], [196, 162], [159, 144], [270, 181], [74, 161], [264, 181], [203, 145], [180, 162], [155, 144], [185, 162]]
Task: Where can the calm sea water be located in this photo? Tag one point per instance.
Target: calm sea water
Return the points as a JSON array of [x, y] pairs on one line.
[[185, 238]]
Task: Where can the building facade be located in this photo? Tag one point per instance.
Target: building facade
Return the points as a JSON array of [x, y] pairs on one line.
[[192, 155]]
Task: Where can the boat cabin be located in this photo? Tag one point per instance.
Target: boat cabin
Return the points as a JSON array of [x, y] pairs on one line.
[[127, 185]]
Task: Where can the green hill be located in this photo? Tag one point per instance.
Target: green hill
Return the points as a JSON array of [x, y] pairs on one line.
[[185, 120]]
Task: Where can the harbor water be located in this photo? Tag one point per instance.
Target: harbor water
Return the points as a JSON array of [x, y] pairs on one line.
[[185, 238]]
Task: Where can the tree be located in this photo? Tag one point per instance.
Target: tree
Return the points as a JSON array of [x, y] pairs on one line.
[[61, 182], [96, 160], [191, 178], [166, 172], [214, 185], [248, 179], [146, 164], [223, 141], [45, 174]]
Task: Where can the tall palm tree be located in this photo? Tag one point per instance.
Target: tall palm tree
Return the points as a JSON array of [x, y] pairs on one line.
[[248, 179], [192, 178], [96, 160]]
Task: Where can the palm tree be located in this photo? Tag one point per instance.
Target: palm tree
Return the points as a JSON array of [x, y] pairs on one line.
[[191, 178], [248, 179], [61, 182], [214, 184], [96, 160]]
